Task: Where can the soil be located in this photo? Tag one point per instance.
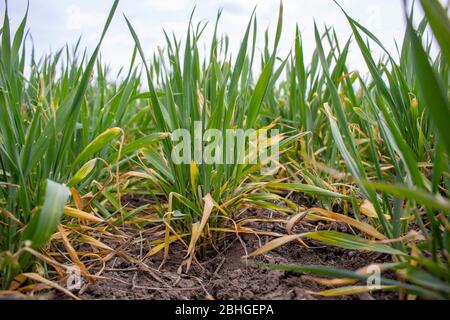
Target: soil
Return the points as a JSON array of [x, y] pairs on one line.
[[227, 276], [223, 273]]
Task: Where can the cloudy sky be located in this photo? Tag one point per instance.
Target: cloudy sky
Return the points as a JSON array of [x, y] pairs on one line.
[[53, 23]]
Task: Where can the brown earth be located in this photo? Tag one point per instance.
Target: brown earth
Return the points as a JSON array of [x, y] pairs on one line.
[[226, 276], [223, 273]]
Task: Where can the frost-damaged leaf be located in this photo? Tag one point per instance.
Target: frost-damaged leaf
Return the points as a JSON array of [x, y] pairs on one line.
[[75, 213], [158, 247], [330, 282], [368, 209], [167, 242], [39, 278], [275, 244], [195, 176], [72, 253], [197, 228], [239, 230], [351, 290], [364, 227], [59, 267], [95, 243], [136, 174]]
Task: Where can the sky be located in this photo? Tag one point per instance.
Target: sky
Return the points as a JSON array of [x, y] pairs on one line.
[[53, 23]]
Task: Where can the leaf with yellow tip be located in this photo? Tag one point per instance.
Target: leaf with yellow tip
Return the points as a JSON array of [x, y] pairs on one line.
[[77, 199], [81, 174], [351, 290], [364, 227], [244, 230], [161, 246], [330, 282], [37, 277], [197, 228], [194, 174], [137, 174], [101, 141], [72, 253], [95, 243], [75, 213], [368, 210], [275, 244]]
